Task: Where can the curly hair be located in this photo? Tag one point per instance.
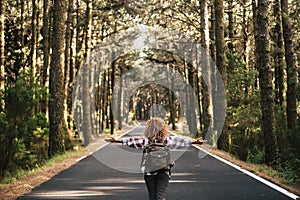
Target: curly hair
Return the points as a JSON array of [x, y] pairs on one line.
[[156, 130]]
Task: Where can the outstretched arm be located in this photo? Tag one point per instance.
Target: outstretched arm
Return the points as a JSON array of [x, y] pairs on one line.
[[198, 141], [113, 140], [178, 141], [136, 142]]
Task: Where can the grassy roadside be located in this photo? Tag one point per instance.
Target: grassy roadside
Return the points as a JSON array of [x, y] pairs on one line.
[[24, 181], [20, 174]]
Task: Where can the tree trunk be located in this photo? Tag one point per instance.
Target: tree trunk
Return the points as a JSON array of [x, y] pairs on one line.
[[22, 34], [255, 30], [279, 66], [87, 113], [46, 52], [186, 108], [291, 107], [112, 85], [211, 70], [278, 55], [172, 103], [171, 97], [212, 33], [265, 81], [206, 68], [107, 98], [104, 100], [219, 101], [33, 70], [79, 40], [245, 45], [191, 106], [68, 47], [2, 44], [56, 103], [120, 103], [230, 25]]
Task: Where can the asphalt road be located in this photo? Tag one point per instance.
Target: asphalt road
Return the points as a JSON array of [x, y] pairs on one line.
[[193, 178]]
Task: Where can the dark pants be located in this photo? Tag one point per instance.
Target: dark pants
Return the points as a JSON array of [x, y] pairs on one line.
[[157, 185]]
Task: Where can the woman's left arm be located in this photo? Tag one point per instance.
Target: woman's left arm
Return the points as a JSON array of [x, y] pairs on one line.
[[177, 142], [197, 141]]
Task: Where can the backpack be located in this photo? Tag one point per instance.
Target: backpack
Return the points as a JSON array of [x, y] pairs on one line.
[[156, 157]]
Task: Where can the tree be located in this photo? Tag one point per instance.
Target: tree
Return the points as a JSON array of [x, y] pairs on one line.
[[291, 107], [2, 43], [278, 55], [219, 101], [46, 52], [69, 67], [171, 97], [112, 85], [120, 103], [34, 39], [206, 71], [87, 112], [191, 107], [261, 24], [230, 25], [56, 102]]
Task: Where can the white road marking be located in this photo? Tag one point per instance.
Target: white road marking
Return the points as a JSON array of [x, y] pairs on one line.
[[79, 159], [262, 180]]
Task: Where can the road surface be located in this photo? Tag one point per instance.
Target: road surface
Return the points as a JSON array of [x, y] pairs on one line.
[[193, 178]]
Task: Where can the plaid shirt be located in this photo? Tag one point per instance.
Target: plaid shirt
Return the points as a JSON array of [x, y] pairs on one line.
[[173, 142]]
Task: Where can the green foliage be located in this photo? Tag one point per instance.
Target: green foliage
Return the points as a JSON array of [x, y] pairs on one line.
[[298, 92], [243, 117], [20, 173], [32, 141], [246, 136], [241, 84], [290, 156], [8, 143], [23, 131], [289, 153], [256, 155], [244, 122], [17, 43]]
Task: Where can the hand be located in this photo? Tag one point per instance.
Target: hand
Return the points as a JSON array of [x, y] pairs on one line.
[[112, 139], [199, 141]]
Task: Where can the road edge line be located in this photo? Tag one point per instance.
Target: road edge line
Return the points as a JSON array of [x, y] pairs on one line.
[[81, 158], [260, 179]]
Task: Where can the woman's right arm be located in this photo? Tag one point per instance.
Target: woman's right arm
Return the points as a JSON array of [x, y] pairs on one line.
[[113, 140]]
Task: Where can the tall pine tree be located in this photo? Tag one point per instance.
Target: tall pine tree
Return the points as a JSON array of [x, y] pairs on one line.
[[265, 79], [56, 103]]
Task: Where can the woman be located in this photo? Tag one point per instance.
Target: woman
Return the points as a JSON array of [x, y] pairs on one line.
[[156, 134]]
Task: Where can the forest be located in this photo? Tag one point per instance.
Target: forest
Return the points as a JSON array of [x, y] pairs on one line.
[[66, 78]]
